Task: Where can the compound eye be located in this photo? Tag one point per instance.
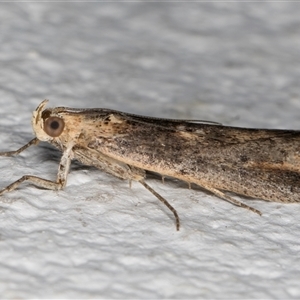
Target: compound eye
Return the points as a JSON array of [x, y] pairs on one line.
[[54, 126]]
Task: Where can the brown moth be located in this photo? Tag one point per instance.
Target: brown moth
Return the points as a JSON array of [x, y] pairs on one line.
[[258, 163]]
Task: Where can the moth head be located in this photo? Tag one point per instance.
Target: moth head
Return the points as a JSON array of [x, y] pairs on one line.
[[46, 126]]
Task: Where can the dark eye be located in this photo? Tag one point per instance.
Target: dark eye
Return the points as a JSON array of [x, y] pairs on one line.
[[54, 126]]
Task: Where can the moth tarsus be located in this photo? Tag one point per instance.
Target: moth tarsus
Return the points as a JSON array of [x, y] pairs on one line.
[[164, 201], [257, 163]]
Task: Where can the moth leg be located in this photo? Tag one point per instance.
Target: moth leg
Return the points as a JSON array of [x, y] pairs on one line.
[[34, 141], [60, 182], [109, 165], [222, 195], [38, 181], [164, 201]]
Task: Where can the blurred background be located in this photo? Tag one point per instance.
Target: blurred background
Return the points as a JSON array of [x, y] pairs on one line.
[[236, 63]]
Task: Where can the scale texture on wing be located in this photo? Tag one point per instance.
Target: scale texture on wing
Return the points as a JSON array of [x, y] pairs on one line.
[[229, 158]]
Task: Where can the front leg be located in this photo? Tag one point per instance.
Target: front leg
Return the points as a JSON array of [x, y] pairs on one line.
[[34, 141], [61, 178]]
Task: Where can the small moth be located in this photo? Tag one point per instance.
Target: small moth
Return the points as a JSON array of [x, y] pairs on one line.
[[257, 163]]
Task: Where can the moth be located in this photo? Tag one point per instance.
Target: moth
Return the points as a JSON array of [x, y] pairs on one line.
[[257, 163]]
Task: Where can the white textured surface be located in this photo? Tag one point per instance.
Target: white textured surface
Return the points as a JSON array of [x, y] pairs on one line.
[[235, 63]]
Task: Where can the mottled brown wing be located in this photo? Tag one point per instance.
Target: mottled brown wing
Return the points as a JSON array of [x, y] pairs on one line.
[[241, 160]]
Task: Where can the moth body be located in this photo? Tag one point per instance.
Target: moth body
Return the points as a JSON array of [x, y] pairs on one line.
[[258, 163]]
